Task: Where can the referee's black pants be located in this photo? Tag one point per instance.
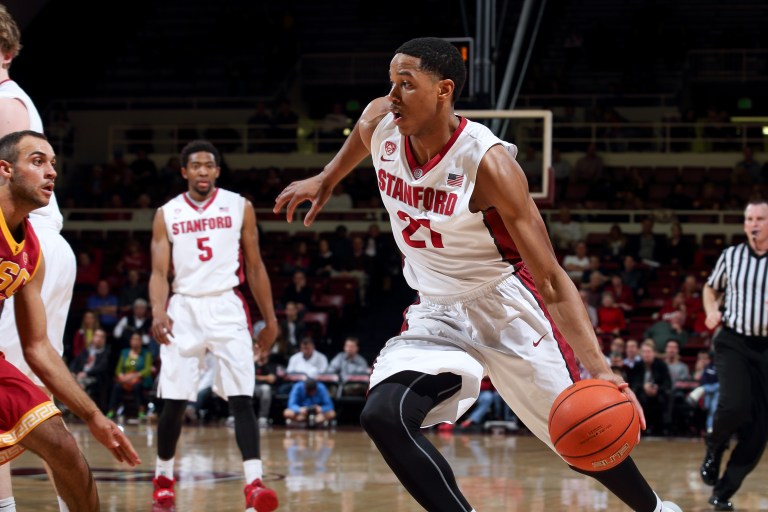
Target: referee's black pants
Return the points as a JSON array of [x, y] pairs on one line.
[[742, 369]]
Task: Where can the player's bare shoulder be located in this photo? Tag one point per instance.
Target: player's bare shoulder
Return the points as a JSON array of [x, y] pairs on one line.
[[372, 116], [498, 172]]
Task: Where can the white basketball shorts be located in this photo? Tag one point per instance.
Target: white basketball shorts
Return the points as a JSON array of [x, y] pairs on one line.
[[500, 330], [58, 283], [214, 322]]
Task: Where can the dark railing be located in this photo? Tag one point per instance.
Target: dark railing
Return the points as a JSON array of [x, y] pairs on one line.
[[659, 137]]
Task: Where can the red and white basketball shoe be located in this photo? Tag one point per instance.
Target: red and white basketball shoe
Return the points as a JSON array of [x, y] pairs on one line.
[[164, 496], [260, 498]]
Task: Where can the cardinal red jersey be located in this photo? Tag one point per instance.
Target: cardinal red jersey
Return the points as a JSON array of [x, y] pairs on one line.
[[18, 260], [22, 405]]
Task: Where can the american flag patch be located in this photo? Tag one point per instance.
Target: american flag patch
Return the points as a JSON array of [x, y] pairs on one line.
[[455, 180]]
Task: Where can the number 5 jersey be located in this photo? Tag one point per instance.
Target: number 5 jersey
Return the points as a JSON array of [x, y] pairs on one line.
[[205, 242]]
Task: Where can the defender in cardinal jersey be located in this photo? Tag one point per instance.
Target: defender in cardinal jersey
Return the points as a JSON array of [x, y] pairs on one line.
[[468, 230], [28, 418], [204, 237]]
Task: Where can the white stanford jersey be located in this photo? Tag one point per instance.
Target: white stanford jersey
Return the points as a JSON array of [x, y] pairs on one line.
[[205, 241], [48, 216], [447, 249]]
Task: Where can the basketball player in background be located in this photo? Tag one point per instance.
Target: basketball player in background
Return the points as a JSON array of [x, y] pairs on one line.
[[203, 233], [18, 112], [469, 232], [28, 418]]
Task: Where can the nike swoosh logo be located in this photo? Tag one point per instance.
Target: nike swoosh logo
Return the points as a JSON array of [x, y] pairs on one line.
[[387, 159], [536, 343]]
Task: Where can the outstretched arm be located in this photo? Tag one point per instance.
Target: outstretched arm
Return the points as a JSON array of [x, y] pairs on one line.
[[317, 189], [50, 367], [258, 280]]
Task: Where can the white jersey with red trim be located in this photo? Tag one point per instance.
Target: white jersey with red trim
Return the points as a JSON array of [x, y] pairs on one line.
[[48, 216], [205, 240], [447, 249]]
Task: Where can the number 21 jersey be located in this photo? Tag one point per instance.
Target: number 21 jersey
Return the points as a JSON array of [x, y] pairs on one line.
[[447, 249]]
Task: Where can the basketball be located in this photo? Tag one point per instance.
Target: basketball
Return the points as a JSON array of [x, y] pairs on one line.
[[593, 425]]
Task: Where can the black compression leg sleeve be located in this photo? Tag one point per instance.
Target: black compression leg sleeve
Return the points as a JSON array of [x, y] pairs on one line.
[[169, 427], [392, 417], [628, 484], [246, 427]]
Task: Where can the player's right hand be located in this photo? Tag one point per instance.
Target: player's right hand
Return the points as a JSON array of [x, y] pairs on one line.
[[162, 328], [624, 388], [311, 189]]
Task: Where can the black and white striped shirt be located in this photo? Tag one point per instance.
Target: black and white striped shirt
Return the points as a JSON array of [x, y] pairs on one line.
[[743, 276]]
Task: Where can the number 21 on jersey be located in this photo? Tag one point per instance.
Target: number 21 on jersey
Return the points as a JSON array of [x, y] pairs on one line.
[[413, 226]]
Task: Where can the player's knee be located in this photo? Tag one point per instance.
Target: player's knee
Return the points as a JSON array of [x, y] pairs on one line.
[[173, 409], [376, 420], [55, 443], [240, 404]]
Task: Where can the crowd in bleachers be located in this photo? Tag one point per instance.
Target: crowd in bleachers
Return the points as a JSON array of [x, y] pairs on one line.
[[643, 296]]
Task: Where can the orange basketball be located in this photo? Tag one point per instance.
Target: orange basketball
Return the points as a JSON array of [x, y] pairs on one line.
[[593, 425]]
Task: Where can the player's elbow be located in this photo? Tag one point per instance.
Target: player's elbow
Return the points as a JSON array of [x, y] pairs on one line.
[[33, 354]]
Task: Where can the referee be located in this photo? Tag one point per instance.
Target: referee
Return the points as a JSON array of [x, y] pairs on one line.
[[740, 279]]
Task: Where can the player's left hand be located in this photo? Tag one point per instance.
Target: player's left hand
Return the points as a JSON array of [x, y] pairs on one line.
[[266, 337], [113, 438], [624, 388]]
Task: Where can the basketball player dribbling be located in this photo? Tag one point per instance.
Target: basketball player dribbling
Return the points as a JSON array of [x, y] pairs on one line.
[[207, 234], [493, 299]]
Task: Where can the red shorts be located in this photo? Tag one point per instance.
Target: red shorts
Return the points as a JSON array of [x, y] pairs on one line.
[[22, 408]]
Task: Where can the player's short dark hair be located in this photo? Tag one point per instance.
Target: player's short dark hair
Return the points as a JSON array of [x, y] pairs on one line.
[[197, 146], [439, 57], [310, 385], [9, 144]]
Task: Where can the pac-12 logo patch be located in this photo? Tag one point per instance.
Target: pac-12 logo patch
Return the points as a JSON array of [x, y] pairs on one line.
[[389, 147]]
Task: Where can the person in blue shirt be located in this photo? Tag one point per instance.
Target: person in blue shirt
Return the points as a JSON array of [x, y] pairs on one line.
[[309, 401]]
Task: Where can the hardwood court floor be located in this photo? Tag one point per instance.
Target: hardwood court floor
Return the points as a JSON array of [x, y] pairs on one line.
[[322, 470]]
